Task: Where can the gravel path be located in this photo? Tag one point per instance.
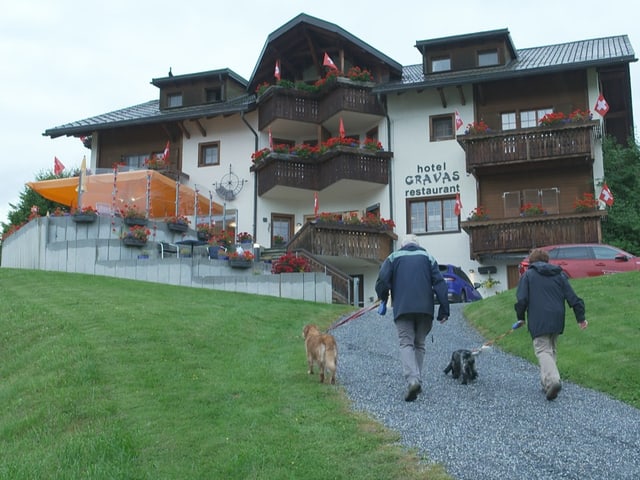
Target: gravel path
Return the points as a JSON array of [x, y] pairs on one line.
[[499, 427]]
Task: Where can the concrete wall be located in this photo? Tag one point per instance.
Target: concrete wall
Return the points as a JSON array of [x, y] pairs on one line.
[[59, 244]]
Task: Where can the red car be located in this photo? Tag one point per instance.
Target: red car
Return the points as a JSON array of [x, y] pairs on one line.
[[588, 259]]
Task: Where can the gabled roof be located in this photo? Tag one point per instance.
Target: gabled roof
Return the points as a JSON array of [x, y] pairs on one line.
[[305, 32], [597, 52], [149, 113]]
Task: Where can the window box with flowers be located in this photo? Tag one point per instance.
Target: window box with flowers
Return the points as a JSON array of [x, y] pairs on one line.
[[478, 214], [585, 204], [241, 259], [178, 223], [85, 215], [133, 216], [136, 236], [278, 241], [531, 210], [156, 163], [205, 232], [476, 128], [372, 144]]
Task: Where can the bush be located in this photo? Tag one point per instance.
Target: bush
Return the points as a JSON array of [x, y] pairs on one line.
[[290, 263]]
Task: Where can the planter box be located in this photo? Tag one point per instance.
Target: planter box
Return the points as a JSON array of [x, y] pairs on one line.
[[178, 227], [133, 242], [84, 218], [240, 263], [135, 221]]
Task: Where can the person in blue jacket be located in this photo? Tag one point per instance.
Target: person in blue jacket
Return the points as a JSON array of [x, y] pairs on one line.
[[411, 276], [541, 293]]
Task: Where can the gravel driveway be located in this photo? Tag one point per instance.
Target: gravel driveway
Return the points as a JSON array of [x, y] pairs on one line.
[[499, 427]]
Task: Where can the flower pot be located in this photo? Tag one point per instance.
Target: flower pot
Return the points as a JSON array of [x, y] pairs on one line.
[[178, 227], [133, 242], [84, 218], [135, 221], [213, 250]]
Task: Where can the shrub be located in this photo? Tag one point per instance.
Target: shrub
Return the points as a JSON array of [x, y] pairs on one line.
[[290, 263]]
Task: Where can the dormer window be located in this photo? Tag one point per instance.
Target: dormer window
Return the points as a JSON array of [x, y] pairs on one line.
[[440, 64], [174, 100], [213, 95], [488, 58]]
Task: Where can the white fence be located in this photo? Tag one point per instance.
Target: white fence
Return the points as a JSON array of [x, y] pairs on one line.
[[60, 244]]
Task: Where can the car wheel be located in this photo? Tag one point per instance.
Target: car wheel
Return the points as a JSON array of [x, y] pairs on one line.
[[463, 297]]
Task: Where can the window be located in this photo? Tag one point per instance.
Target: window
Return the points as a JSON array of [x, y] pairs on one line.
[[487, 58], [433, 216], [213, 95], [209, 154], [548, 198], [440, 64], [134, 161], [441, 127], [174, 100], [509, 121], [531, 118]]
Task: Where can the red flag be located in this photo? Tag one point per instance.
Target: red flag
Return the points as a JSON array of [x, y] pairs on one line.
[[605, 195], [341, 129], [327, 62], [315, 204], [165, 154], [458, 207], [58, 167], [459, 121], [602, 107], [276, 71], [270, 140]]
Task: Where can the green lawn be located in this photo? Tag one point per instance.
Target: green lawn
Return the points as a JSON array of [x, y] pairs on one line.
[[604, 357], [103, 378]]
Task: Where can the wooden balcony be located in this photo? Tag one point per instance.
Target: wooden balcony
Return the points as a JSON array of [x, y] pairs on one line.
[[279, 103], [541, 144], [337, 240], [317, 173], [520, 235]]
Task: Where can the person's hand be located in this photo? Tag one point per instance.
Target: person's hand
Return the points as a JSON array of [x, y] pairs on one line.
[[443, 319], [518, 324], [382, 309], [583, 325]]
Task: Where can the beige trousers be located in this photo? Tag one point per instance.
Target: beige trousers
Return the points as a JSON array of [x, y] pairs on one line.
[[545, 349]]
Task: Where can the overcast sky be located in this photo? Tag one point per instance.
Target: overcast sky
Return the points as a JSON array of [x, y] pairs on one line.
[[65, 60]]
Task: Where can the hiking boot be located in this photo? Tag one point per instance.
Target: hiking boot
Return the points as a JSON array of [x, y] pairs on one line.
[[413, 390], [553, 390]]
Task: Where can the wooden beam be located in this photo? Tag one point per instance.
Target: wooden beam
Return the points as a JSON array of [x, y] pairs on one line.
[[442, 97], [461, 93], [203, 132], [184, 130]]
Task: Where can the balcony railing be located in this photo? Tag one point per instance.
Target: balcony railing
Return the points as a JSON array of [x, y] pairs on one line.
[[520, 235], [317, 173], [529, 145], [301, 106], [337, 240]]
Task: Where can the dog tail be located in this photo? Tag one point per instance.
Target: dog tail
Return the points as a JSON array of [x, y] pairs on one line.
[[476, 351]]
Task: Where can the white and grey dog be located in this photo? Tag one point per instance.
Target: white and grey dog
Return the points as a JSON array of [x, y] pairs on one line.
[[463, 363]]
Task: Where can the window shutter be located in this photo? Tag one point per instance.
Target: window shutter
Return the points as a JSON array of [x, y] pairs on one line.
[[511, 204]]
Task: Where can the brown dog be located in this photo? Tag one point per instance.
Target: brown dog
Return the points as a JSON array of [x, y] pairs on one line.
[[321, 349]]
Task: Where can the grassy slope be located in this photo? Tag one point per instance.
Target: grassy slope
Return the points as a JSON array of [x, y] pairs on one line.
[[108, 378], [604, 357]]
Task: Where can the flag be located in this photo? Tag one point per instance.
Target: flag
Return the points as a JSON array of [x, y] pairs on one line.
[[165, 154], [327, 62], [58, 167], [341, 129], [315, 204], [605, 195], [602, 107], [270, 140], [459, 121], [458, 207], [276, 71]]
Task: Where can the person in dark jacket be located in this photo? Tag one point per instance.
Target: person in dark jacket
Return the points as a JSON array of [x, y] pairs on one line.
[[541, 293], [411, 275]]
